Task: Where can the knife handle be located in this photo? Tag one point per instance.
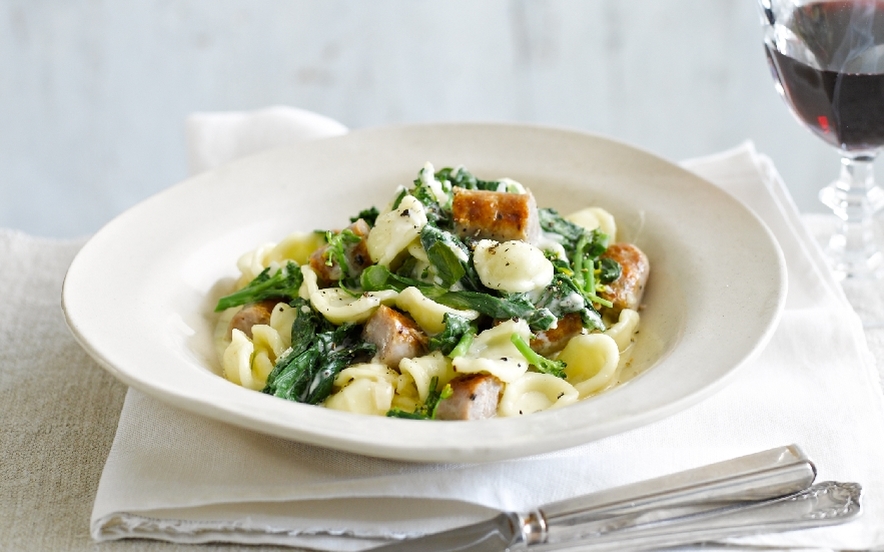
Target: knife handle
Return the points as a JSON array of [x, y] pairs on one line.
[[769, 474]]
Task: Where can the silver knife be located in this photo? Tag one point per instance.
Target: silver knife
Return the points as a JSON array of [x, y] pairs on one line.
[[722, 487]]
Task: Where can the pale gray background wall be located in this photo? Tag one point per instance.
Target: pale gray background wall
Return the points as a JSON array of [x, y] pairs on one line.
[[93, 93]]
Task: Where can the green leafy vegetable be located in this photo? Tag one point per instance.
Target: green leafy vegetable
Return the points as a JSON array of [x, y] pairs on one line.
[[545, 365], [436, 202], [516, 305], [284, 284], [377, 277], [339, 245], [594, 241], [306, 372], [463, 178], [458, 331], [450, 259], [609, 270], [369, 215]]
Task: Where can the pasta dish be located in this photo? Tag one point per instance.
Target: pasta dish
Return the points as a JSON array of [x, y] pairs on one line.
[[459, 300]]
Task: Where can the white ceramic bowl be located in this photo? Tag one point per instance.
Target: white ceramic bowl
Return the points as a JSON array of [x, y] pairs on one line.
[[139, 295]]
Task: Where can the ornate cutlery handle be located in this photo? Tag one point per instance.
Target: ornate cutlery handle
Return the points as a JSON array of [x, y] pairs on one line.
[[826, 503]]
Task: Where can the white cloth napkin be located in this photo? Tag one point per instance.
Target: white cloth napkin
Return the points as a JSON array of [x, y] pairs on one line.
[[175, 476], [217, 137]]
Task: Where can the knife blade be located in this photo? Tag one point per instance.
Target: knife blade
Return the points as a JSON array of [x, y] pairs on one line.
[[764, 475]]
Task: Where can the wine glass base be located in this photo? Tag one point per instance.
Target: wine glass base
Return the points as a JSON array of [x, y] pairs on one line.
[[866, 296], [860, 277]]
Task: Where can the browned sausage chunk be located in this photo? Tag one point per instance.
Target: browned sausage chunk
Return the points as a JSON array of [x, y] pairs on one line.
[[358, 259], [554, 340], [474, 397], [498, 216], [251, 314], [396, 335], [626, 292]]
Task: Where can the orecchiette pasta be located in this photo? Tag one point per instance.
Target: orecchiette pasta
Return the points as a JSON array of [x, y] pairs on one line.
[[252, 263], [395, 230], [534, 392], [513, 266], [493, 352], [460, 290], [281, 319], [427, 313], [338, 306], [364, 389], [595, 217], [296, 247], [423, 369], [624, 329], [592, 361]]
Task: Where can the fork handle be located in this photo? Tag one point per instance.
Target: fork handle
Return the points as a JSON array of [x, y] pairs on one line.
[[827, 503]]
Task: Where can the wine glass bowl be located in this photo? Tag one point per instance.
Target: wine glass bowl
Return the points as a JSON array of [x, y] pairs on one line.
[[827, 61]]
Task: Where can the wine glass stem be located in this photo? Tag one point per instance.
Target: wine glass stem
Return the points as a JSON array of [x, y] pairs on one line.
[[855, 199]]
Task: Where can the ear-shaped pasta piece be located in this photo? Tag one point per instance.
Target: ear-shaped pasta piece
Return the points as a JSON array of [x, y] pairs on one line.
[[425, 368], [428, 314], [338, 306], [493, 352], [592, 361], [534, 392], [364, 389], [514, 266], [237, 361], [624, 329], [281, 319], [395, 230], [297, 246], [406, 396], [310, 284], [252, 263], [596, 217], [248, 362]]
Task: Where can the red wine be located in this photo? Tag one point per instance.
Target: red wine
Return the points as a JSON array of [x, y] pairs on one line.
[[838, 89]]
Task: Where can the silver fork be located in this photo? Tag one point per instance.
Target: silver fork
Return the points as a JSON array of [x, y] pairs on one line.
[[763, 492]]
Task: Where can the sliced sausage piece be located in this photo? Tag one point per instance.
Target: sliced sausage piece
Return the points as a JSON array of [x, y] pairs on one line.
[[357, 257], [251, 314], [497, 216], [554, 340], [474, 397], [396, 335], [627, 290]]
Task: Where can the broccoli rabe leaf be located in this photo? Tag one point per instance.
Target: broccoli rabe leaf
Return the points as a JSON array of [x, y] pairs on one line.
[[544, 365], [458, 331], [564, 296], [437, 203], [339, 244], [463, 178], [377, 277], [284, 284], [306, 372], [516, 305], [447, 256], [426, 411], [594, 241], [450, 259], [337, 350], [609, 270], [369, 215]]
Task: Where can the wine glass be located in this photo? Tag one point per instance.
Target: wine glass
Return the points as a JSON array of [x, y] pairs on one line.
[[827, 59]]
